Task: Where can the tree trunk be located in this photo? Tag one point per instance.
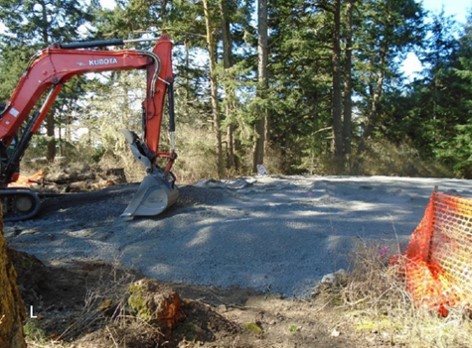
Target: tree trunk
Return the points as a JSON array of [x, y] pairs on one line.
[[337, 95], [157, 304], [50, 122], [376, 91], [261, 92], [163, 10], [347, 120], [186, 77], [12, 310], [229, 91], [214, 89]]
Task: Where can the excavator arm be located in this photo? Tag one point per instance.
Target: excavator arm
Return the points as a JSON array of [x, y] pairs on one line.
[[49, 70]]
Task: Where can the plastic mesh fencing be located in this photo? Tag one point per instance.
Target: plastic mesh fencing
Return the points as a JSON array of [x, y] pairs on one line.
[[438, 265]]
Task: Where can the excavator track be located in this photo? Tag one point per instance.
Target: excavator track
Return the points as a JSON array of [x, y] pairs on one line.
[[19, 204]]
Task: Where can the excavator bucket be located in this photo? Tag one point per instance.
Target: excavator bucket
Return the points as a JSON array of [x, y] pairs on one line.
[[157, 191], [155, 194]]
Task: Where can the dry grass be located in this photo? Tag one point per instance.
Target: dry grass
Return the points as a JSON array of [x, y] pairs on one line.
[[104, 319], [197, 155], [106, 305], [373, 300]]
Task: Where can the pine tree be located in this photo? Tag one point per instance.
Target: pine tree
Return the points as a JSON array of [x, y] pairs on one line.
[[389, 30], [37, 24]]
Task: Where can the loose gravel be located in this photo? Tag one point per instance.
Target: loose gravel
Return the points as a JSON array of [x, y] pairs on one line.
[[275, 234]]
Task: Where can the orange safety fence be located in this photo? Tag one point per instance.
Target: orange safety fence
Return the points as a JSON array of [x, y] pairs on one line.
[[438, 266]]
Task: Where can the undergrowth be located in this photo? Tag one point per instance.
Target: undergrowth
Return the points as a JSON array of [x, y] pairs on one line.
[[103, 320], [373, 299], [370, 302], [197, 158], [382, 157]]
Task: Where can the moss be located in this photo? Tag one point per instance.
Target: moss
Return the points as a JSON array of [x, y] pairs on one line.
[[155, 303], [137, 302], [371, 325], [192, 331], [254, 328], [293, 328], [34, 332]]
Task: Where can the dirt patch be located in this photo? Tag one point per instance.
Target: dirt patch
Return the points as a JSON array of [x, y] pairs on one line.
[[78, 307], [87, 305]]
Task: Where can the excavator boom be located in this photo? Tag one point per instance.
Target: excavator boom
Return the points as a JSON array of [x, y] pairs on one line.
[[49, 70]]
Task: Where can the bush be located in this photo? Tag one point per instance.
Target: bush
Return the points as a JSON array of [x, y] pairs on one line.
[[374, 301], [382, 157]]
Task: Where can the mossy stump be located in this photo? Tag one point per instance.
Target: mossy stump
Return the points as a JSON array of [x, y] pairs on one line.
[[156, 303], [12, 310]]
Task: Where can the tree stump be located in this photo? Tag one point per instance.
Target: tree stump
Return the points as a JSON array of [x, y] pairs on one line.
[[12, 309], [156, 303]]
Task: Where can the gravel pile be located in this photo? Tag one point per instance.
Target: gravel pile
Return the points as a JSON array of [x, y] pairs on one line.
[[275, 234]]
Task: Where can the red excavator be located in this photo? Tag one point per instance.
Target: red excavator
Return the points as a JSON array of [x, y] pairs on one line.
[[49, 70]]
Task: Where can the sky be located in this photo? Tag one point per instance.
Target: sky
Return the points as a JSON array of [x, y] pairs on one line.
[[456, 8], [109, 4]]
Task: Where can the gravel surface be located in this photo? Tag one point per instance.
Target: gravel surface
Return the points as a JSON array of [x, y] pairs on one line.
[[277, 234]]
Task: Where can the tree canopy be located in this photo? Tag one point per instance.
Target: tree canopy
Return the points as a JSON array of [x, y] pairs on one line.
[[309, 86]]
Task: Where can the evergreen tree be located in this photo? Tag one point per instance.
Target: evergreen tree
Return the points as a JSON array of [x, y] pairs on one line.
[[433, 113], [300, 83], [209, 13], [389, 29], [37, 24], [452, 93]]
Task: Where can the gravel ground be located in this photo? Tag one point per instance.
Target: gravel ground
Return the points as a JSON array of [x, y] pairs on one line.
[[277, 234]]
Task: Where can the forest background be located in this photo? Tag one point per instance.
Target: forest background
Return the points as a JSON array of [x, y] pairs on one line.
[[301, 86]]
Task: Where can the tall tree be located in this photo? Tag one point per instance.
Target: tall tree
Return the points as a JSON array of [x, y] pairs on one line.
[[211, 46], [232, 73], [389, 30], [134, 17], [341, 25], [300, 73], [12, 308], [348, 85], [337, 89], [228, 89], [440, 120], [13, 61], [262, 83]]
